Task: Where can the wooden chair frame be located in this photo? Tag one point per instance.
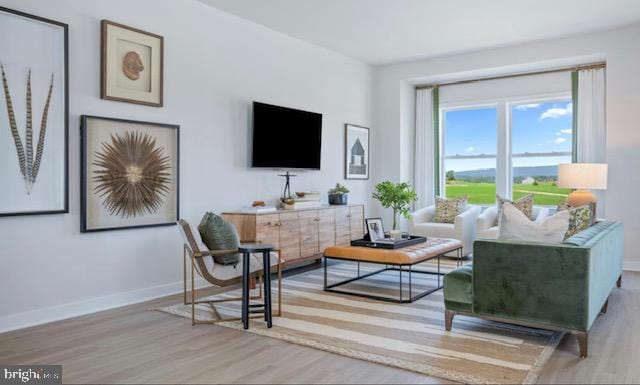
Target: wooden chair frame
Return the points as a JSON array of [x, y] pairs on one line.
[[196, 257]]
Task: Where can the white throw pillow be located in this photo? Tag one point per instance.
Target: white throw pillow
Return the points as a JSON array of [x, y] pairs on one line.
[[514, 225]]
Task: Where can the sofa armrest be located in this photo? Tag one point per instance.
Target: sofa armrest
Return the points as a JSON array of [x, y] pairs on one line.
[[487, 219], [423, 215], [546, 284], [465, 227]]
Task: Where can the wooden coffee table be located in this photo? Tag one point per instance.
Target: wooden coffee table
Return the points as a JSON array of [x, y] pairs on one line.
[[401, 260]]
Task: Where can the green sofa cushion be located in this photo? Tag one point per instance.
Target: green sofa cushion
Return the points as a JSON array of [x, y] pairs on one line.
[[458, 289], [218, 234]]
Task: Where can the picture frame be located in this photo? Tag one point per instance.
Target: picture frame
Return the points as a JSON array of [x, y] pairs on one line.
[[34, 158], [356, 152], [130, 174], [131, 65], [375, 229]]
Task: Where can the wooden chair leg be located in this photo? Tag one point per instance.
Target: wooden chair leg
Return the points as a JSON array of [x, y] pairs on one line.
[[583, 342], [448, 319], [604, 307], [619, 283]]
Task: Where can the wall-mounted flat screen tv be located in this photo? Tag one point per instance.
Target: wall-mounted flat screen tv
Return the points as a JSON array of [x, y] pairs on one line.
[[286, 138]]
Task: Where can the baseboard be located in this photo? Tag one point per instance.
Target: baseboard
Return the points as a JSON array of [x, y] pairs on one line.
[[75, 309], [631, 266]]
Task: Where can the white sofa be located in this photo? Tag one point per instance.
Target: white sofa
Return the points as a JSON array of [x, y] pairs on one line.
[[463, 228], [486, 222]]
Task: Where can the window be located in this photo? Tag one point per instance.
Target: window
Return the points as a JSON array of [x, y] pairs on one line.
[[511, 148], [541, 138], [469, 137]]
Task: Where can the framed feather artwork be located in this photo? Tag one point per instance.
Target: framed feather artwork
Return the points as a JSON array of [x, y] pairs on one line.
[[129, 174], [34, 115]]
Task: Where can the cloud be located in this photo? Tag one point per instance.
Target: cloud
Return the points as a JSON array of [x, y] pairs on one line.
[[470, 149], [560, 140], [556, 112], [567, 131], [524, 107]]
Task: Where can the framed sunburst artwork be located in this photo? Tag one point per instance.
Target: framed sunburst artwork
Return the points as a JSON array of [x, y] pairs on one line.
[[130, 174]]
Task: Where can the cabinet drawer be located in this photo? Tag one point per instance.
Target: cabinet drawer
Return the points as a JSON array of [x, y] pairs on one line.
[[342, 226], [356, 221], [326, 229], [309, 225], [289, 236], [268, 229]]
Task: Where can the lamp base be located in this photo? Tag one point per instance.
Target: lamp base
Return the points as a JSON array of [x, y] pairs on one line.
[[580, 198]]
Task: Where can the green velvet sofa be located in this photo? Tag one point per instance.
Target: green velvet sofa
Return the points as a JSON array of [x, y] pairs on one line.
[[549, 286]]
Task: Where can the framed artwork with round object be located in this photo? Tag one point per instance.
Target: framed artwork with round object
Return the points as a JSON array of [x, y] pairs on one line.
[[131, 65]]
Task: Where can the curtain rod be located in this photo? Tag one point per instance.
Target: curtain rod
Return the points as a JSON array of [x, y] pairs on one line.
[[516, 75]]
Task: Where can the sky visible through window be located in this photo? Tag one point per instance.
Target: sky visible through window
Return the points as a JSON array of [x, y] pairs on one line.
[[541, 138]]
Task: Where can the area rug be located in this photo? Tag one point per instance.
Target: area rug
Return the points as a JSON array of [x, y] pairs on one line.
[[407, 336]]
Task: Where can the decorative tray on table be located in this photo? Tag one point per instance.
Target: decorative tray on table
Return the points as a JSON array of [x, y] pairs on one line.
[[390, 243]]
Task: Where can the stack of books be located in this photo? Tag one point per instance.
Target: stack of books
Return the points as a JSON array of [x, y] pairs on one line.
[[260, 209], [306, 200]]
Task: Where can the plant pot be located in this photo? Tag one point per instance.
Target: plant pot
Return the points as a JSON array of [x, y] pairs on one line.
[[338, 199]]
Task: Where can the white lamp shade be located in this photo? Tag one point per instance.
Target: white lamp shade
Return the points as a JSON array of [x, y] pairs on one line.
[[583, 176]]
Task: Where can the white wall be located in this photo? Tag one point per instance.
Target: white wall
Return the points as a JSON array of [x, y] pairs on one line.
[[215, 65], [393, 137]]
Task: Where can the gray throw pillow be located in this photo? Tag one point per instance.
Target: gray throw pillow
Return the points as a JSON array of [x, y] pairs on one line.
[[219, 234]]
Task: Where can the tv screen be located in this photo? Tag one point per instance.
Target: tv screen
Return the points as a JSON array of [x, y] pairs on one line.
[[285, 138]]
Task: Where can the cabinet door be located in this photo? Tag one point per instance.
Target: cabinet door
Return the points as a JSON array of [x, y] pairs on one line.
[[268, 229], [326, 229], [356, 220], [290, 236], [343, 227], [309, 236]]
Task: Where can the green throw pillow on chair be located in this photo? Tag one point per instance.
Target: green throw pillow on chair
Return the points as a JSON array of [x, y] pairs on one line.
[[219, 234]]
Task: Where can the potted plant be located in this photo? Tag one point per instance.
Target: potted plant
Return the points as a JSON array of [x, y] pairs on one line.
[[398, 196], [338, 195]]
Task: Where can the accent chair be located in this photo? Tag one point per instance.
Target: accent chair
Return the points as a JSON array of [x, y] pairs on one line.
[[217, 274], [463, 228]]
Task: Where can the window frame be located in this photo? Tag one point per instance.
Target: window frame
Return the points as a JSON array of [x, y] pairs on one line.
[[504, 148]]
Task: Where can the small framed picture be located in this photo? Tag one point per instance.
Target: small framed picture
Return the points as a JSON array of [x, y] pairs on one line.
[[375, 229], [131, 65], [129, 174], [356, 152]]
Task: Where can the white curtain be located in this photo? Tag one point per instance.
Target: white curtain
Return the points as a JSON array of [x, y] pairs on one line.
[[424, 148], [591, 135]]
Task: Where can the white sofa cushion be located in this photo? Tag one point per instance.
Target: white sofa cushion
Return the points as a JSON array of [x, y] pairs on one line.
[[490, 233], [515, 225], [438, 230]]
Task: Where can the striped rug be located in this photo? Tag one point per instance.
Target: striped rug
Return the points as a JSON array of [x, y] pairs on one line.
[[407, 336]]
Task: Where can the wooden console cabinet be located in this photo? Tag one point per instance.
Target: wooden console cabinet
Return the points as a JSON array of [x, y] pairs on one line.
[[301, 234]]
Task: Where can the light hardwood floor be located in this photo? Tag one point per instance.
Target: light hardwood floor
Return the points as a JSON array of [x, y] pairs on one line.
[[135, 345]]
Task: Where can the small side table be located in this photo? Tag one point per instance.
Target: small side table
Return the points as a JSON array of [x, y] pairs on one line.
[[248, 308]]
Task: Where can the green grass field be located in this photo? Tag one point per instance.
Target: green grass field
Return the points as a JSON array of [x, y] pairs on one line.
[[545, 193]]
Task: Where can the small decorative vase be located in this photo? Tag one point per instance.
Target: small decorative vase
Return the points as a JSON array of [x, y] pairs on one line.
[[337, 199], [395, 234]]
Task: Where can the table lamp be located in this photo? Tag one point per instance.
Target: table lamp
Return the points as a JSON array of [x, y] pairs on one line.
[[582, 177]]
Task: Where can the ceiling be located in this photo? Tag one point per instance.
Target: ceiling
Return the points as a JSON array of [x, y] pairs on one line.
[[388, 31]]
